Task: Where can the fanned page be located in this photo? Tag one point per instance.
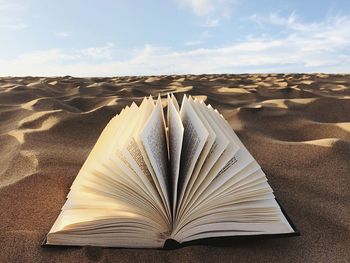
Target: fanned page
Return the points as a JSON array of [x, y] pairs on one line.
[[176, 133], [153, 139], [116, 198], [234, 201], [148, 180], [194, 140]]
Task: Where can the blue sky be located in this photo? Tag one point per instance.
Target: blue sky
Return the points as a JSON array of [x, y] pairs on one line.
[[121, 37]]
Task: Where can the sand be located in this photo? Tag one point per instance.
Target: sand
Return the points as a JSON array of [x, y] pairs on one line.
[[297, 127]]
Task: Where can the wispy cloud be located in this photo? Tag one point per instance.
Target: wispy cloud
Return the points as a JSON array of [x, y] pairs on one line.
[[208, 7], [193, 43], [211, 22], [62, 34], [213, 11], [331, 34], [200, 39], [104, 52], [11, 13], [292, 21], [55, 61], [305, 47], [13, 26]]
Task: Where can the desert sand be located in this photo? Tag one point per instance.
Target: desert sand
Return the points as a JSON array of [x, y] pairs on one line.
[[297, 126]]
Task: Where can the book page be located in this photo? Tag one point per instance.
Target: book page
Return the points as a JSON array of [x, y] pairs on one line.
[[176, 133], [124, 148], [118, 171], [205, 158], [137, 158], [105, 227], [229, 152], [247, 209], [241, 159], [222, 143], [236, 163], [195, 137], [235, 181], [238, 201], [206, 205], [122, 165], [146, 159], [131, 151], [243, 206], [219, 146], [100, 144], [104, 151], [153, 139], [108, 192]]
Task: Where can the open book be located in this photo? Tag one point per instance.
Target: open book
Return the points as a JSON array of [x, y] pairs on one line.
[[181, 178]]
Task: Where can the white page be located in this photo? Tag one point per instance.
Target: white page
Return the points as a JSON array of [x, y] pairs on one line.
[[100, 144], [195, 137], [153, 139], [137, 138], [176, 104], [128, 165], [203, 159], [103, 153], [133, 151], [237, 189], [235, 205], [88, 227], [176, 133], [232, 182], [206, 203], [220, 144], [240, 160], [122, 199], [115, 168], [227, 155], [100, 158], [118, 141], [222, 229], [241, 214]]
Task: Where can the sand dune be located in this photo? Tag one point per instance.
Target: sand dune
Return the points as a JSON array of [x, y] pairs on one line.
[[296, 125]]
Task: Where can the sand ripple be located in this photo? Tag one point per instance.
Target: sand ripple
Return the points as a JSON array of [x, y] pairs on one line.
[[296, 125]]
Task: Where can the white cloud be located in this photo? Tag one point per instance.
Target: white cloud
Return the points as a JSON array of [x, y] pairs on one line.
[[44, 57], [208, 7], [38, 60], [200, 39], [212, 22], [315, 47], [199, 7], [214, 11], [62, 34], [13, 26], [193, 43], [205, 34], [330, 35], [11, 13], [104, 52]]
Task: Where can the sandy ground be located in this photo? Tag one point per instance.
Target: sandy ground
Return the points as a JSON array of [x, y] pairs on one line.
[[296, 126]]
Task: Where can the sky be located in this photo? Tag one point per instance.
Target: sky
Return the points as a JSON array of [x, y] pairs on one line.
[[155, 37]]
